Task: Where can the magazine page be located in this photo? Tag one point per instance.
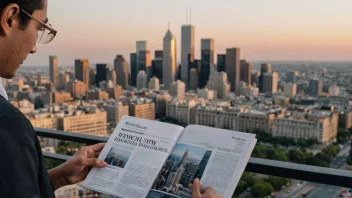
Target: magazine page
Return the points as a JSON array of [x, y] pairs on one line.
[[135, 153], [217, 157]]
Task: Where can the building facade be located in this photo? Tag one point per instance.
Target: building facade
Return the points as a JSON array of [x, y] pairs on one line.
[[178, 89], [145, 111], [169, 59], [270, 82], [207, 61], [233, 66], [246, 72], [54, 69], [88, 124], [122, 71], [187, 50], [76, 88], [82, 71]]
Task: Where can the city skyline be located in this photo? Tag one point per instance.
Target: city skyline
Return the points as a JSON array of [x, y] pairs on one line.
[[267, 30]]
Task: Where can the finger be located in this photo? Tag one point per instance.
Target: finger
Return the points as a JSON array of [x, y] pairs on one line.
[[196, 188], [97, 147], [93, 162], [97, 154], [190, 186], [209, 191]]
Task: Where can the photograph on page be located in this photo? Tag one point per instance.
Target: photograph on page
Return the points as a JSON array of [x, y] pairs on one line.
[[117, 157], [185, 163]]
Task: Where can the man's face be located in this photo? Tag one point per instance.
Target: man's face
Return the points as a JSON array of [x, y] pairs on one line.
[[21, 42]]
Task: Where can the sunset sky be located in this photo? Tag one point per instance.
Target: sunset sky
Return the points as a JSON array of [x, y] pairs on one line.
[[263, 29]]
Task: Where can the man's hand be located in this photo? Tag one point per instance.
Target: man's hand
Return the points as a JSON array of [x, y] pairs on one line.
[[196, 193], [77, 168]]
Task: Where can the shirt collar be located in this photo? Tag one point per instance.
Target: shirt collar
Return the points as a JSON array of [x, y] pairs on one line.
[[3, 91]]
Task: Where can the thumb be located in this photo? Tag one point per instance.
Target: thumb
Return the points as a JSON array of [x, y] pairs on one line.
[[94, 162], [196, 188]]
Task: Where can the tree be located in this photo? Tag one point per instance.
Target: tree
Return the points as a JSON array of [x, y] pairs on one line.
[[277, 182], [331, 150], [323, 156], [302, 143], [262, 189], [68, 148], [315, 161], [297, 156], [342, 135], [312, 142], [280, 156]]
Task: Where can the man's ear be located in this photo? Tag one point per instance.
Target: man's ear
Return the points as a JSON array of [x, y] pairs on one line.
[[9, 18]]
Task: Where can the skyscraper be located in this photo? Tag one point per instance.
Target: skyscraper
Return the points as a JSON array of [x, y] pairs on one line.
[[290, 90], [203, 163], [92, 77], [291, 77], [140, 46], [233, 66], [145, 63], [180, 168], [157, 65], [207, 64], [221, 66], [63, 79], [187, 48], [264, 68], [154, 84], [270, 82], [134, 69], [82, 71], [141, 80], [315, 87], [112, 77], [76, 88], [39, 79], [218, 82], [54, 69], [246, 72], [255, 78], [177, 89], [122, 70], [169, 59], [102, 73], [184, 159], [193, 82]]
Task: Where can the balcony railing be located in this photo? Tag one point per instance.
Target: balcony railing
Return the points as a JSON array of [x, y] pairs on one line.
[[329, 176]]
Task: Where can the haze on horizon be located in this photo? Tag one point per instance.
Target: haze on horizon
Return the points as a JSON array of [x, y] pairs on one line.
[[264, 30]]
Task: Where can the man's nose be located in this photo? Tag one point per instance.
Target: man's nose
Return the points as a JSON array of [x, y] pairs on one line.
[[34, 50]]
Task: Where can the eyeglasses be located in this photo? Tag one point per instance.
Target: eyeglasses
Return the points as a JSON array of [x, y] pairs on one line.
[[46, 34]]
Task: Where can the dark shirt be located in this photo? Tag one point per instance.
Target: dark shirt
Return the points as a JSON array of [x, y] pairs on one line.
[[22, 169]]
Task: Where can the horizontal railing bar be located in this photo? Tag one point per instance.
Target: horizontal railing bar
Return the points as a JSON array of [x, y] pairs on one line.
[[335, 177], [69, 136], [56, 156]]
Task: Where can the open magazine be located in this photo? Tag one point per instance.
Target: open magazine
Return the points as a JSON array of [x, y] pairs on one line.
[[157, 160]]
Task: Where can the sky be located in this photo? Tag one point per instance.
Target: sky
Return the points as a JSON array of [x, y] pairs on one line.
[[262, 29], [193, 152]]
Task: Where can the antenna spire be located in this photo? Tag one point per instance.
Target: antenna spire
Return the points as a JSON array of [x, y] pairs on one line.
[[190, 16], [169, 25], [187, 16]]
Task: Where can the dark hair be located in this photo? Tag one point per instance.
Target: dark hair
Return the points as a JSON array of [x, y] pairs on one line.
[[28, 5]]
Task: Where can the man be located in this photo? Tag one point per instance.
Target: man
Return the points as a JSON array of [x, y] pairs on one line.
[[110, 159], [23, 23]]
